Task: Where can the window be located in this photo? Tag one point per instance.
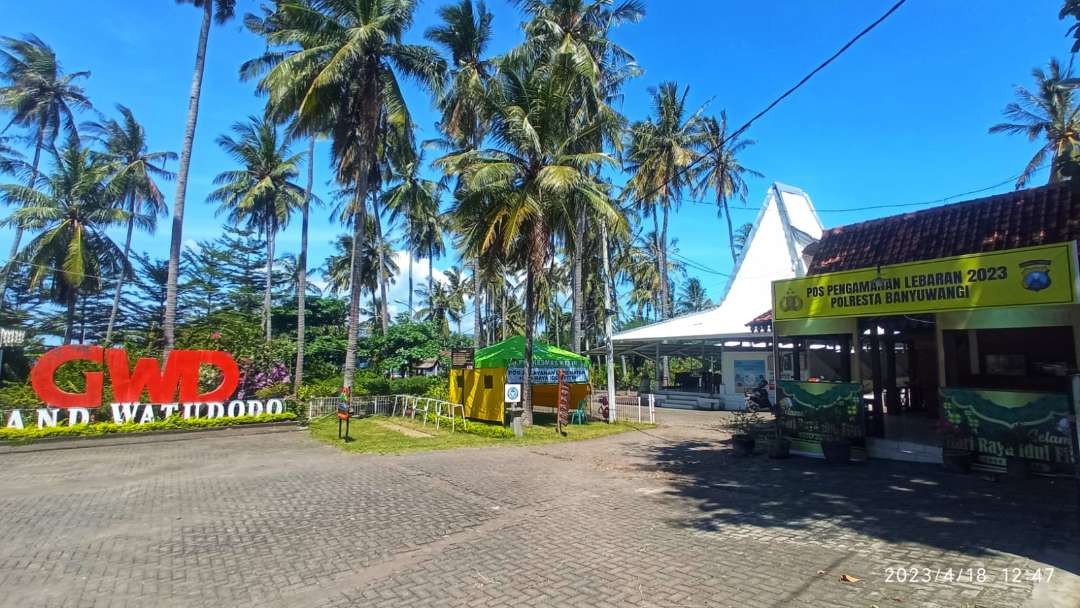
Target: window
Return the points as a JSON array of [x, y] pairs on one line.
[[489, 382], [1031, 358]]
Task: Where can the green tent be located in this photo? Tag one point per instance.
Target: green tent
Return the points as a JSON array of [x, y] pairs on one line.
[[512, 351]]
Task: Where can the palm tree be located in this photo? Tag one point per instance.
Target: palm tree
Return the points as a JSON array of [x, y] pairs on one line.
[[213, 10], [133, 171], [720, 170], [263, 26], [415, 200], [436, 306], [659, 152], [338, 267], [41, 99], [742, 236], [513, 195], [693, 297], [262, 193], [73, 211], [1049, 113], [335, 62], [464, 35], [582, 28], [457, 285], [11, 161], [301, 268]]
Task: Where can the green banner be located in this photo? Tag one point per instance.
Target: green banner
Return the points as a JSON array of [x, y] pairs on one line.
[[813, 410], [995, 424]]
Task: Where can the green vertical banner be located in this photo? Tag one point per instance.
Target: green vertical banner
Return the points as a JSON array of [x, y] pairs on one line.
[[1030, 425], [814, 409]]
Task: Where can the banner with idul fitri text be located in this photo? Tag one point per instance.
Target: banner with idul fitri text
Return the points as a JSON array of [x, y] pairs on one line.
[[1029, 276]]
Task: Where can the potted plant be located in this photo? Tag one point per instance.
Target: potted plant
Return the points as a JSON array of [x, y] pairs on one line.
[[742, 427], [835, 445], [1016, 466], [956, 447], [781, 445]]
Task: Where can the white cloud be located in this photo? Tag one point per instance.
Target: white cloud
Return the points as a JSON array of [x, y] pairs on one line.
[[398, 292]]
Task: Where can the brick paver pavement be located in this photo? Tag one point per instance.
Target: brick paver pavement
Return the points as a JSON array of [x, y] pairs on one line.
[[664, 517]]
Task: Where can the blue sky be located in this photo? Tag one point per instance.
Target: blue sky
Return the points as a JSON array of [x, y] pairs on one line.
[[901, 118]]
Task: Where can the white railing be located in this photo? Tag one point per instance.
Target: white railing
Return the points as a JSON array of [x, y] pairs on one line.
[[393, 405], [379, 405], [627, 408]]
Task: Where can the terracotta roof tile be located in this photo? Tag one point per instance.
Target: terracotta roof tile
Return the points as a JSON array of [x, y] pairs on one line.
[[1050, 214]]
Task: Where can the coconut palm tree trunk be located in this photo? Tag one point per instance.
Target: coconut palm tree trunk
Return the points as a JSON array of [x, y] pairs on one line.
[[478, 292], [355, 272], [301, 270], [69, 317], [39, 143], [665, 291], [123, 271], [430, 268], [169, 324], [505, 321], [721, 202], [530, 313], [410, 285], [384, 314], [82, 321], [575, 326], [271, 230]]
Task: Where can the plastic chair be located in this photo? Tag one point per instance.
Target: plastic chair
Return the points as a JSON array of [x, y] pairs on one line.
[[579, 416]]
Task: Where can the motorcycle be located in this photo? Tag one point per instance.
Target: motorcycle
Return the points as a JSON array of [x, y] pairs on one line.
[[757, 400]]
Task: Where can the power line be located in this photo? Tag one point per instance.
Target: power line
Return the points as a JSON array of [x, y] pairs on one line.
[[943, 199], [774, 103]]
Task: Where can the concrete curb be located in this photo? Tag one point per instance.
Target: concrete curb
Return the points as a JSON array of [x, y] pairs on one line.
[[66, 443]]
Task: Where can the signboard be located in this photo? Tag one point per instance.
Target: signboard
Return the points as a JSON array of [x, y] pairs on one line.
[[12, 337], [815, 409], [1015, 277], [995, 424], [749, 374], [564, 401], [174, 390], [462, 358], [512, 393], [548, 374]]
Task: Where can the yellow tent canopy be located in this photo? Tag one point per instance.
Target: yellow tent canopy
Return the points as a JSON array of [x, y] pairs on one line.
[[481, 390]]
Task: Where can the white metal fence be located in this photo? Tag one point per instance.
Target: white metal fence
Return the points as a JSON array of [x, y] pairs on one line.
[[393, 405], [628, 408]]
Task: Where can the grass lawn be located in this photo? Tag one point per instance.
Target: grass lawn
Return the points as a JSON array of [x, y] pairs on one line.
[[372, 435]]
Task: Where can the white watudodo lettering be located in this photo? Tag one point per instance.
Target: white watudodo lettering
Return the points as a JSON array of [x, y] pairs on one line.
[[144, 413], [15, 420]]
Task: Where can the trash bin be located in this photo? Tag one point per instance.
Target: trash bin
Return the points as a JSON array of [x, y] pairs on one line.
[[516, 422]]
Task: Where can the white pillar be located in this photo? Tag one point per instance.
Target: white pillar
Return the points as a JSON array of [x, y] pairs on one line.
[[608, 330]]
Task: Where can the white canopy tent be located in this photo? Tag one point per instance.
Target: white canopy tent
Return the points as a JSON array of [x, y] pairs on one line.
[[786, 224]]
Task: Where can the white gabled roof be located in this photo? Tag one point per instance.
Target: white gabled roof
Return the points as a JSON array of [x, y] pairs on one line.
[[786, 224]]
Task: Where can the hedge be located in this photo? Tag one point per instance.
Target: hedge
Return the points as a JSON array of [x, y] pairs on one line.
[[172, 423]]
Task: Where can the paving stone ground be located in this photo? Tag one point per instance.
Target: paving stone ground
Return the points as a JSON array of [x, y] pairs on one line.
[[662, 517]]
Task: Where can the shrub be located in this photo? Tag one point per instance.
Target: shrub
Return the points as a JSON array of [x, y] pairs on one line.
[[19, 396], [274, 391], [98, 429], [484, 429], [415, 385], [439, 391], [327, 387]]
